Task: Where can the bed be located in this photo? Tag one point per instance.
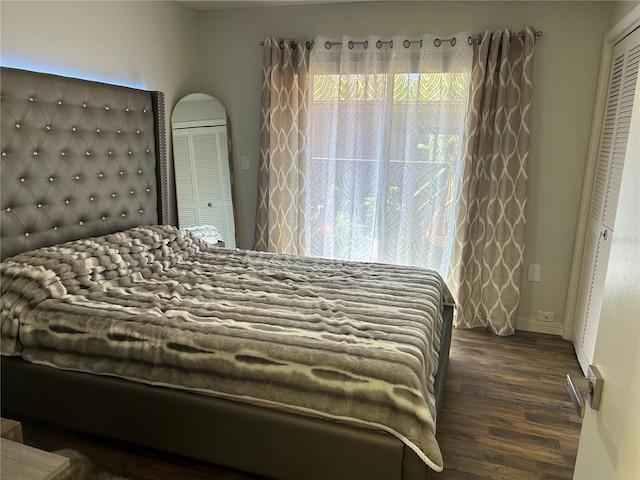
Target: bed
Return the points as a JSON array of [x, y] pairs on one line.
[[282, 366]]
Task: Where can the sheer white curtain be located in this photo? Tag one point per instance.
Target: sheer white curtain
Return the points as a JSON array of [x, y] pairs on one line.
[[386, 122]]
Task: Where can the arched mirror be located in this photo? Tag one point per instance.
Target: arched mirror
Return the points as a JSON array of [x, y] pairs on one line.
[[202, 165]]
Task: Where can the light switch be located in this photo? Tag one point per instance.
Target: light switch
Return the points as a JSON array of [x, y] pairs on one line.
[[533, 274], [245, 162]]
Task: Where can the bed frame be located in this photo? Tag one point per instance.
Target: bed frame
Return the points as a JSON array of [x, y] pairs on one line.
[[80, 159]]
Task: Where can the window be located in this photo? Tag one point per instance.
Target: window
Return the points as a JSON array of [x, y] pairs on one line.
[[384, 164]]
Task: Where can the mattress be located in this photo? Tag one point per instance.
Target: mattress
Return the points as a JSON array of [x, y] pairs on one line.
[[347, 341]]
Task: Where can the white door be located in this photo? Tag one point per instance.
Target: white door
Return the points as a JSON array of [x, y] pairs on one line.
[[604, 197], [609, 445], [183, 169], [203, 186]]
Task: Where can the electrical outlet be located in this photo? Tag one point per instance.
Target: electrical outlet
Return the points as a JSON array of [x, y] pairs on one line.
[[546, 317], [533, 274], [245, 162]]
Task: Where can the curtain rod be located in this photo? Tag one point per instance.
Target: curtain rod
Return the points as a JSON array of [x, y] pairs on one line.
[[436, 42]]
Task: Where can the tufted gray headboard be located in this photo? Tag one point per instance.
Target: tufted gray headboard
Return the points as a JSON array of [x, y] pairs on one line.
[[79, 159]]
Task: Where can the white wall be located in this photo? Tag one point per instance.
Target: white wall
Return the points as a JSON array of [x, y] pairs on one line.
[[566, 66], [148, 45]]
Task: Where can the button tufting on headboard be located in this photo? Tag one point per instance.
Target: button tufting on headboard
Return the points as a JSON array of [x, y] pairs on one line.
[[65, 141]]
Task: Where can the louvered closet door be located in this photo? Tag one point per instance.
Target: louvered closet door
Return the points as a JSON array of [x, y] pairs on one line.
[[185, 191], [213, 187], [604, 196], [203, 186]]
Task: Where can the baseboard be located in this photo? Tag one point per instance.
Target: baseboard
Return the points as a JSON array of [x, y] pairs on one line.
[[533, 325]]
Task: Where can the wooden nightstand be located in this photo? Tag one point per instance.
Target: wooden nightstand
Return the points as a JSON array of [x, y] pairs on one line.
[[10, 429], [22, 462]]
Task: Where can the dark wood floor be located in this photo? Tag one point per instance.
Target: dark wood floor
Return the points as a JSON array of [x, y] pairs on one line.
[[506, 415]]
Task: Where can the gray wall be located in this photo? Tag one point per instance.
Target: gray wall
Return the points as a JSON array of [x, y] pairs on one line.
[[619, 10], [566, 67], [142, 44], [150, 45]]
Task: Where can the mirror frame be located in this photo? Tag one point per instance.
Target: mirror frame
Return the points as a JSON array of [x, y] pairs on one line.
[[195, 96]]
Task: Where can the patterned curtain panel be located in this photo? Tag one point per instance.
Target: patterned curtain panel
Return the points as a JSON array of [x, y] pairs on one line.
[[386, 122], [489, 248], [280, 221]]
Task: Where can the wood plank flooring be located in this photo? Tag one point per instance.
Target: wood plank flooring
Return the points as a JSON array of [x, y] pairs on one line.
[[506, 416], [506, 413]]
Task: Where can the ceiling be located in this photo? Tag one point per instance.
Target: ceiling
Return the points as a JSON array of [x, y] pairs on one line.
[[220, 4]]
